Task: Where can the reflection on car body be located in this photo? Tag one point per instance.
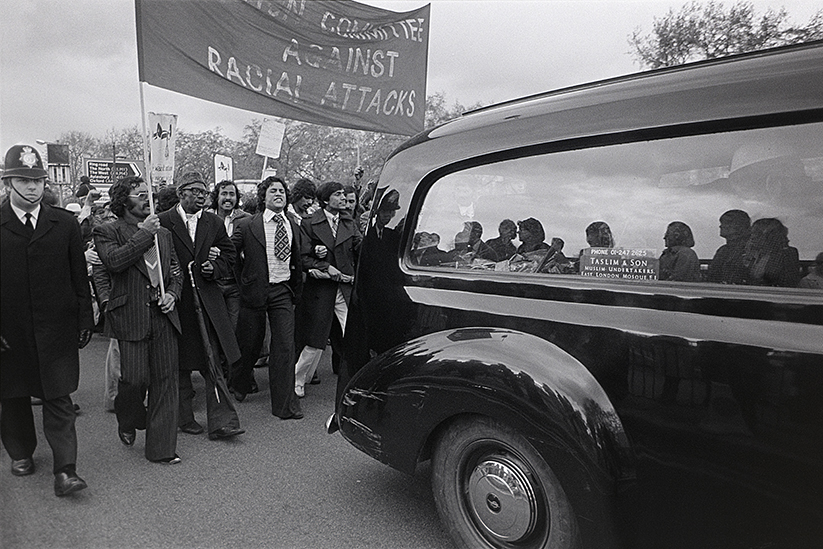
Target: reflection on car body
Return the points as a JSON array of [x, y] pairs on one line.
[[658, 388]]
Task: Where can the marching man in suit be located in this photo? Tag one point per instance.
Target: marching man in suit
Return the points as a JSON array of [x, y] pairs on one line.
[[330, 245], [46, 316], [142, 318], [200, 239], [271, 282]]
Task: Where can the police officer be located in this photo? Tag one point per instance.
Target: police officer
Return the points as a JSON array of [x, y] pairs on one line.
[[46, 317]]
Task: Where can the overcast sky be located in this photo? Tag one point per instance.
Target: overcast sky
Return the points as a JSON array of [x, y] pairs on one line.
[[73, 65]]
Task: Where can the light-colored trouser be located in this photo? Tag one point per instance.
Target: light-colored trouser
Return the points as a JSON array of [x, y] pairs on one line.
[[112, 374], [310, 356]]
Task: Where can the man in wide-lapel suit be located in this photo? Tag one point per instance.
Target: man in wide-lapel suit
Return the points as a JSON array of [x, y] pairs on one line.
[[270, 279], [330, 244], [143, 318], [46, 313], [204, 250]]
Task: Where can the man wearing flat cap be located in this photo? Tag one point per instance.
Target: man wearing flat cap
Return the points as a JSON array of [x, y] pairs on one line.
[[46, 318], [201, 241]]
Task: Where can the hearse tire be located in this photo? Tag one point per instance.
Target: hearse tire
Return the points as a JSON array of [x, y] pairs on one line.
[[492, 489]]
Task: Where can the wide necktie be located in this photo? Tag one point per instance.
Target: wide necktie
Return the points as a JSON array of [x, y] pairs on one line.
[[281, 239], [334, 221], [152, 259]]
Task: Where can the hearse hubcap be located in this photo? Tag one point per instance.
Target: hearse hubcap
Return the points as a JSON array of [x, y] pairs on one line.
[[502, 498]]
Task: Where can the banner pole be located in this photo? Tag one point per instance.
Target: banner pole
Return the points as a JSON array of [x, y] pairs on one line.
[[147, 161]]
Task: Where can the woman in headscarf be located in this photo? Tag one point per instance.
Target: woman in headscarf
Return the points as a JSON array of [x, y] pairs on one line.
[[678, 261], [599, 235], [769, 260]]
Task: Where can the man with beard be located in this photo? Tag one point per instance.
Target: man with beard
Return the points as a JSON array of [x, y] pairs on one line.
[[271, 282], [195, 233], [225, 199], [141, 314], [46, 316]]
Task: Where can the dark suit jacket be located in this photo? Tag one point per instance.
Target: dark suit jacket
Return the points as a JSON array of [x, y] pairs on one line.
[[317, 308], [210, 232], [121, 246], [45, 303], [249, 239]]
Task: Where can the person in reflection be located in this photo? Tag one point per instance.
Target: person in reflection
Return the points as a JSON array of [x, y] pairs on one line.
[[468, 246], [599, 235], [726, 266], [502, 245], [531, 235], [768, 259], [425, 250], [678, 262], [814, 280]]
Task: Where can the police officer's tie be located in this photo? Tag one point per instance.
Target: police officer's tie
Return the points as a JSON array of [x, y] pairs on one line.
[[29, 225]]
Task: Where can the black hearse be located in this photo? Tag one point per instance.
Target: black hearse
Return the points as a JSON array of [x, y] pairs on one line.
[[631, 370]]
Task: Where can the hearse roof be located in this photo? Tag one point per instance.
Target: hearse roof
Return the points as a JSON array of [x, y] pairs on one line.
[[769, 82]]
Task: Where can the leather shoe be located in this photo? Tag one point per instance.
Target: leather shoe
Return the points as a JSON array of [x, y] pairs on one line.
[[192, 428], [67, 483], [296, 415], [238, 396], [127, 437], [226, 432], [168, 461], [22, 467]]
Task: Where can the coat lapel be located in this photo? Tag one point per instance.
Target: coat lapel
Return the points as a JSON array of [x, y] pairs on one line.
[[178, 226], [322, 229], [256, 227], [11, 221], [45, 223]]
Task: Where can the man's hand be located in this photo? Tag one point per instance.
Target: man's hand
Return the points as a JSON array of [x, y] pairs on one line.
[[335, 273], [151, 224], [207, 269], [317, 273], [320, 251], [214, 253], [85, 337], [166, 302]]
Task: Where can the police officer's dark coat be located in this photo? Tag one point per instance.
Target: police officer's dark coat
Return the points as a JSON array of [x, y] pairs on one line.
[[46, 301], [210, 232]]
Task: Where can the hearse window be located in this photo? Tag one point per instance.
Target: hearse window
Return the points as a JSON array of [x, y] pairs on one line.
[[733, 208]]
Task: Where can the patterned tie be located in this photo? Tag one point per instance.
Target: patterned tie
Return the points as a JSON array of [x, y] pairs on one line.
[[153, 265], [334, 221], [29, 224], [281, 239]]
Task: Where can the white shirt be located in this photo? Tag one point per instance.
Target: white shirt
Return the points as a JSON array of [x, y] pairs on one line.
[[22, 214], [278, 269], [190, 220]]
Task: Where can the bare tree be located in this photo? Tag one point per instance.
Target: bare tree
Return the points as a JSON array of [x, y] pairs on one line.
[[707, 31]]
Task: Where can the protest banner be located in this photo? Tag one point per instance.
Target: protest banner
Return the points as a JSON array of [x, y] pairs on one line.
[[162, 138], [336, 63]]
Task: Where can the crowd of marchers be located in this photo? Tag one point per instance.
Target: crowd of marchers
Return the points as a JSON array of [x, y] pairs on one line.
[[182, 280]]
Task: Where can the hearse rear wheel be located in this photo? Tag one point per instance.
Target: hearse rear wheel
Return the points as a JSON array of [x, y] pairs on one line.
[[492, 489]]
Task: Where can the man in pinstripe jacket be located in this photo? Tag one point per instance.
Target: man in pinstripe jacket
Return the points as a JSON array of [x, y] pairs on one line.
[[142, 318]]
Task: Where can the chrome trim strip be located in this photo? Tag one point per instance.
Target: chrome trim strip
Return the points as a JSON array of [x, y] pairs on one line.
[[769, 334]]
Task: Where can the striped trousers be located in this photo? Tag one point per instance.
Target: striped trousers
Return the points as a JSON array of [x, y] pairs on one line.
[[150, 365]]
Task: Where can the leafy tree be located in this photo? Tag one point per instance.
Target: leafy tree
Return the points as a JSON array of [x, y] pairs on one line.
[[82, 145], [707, 31]]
